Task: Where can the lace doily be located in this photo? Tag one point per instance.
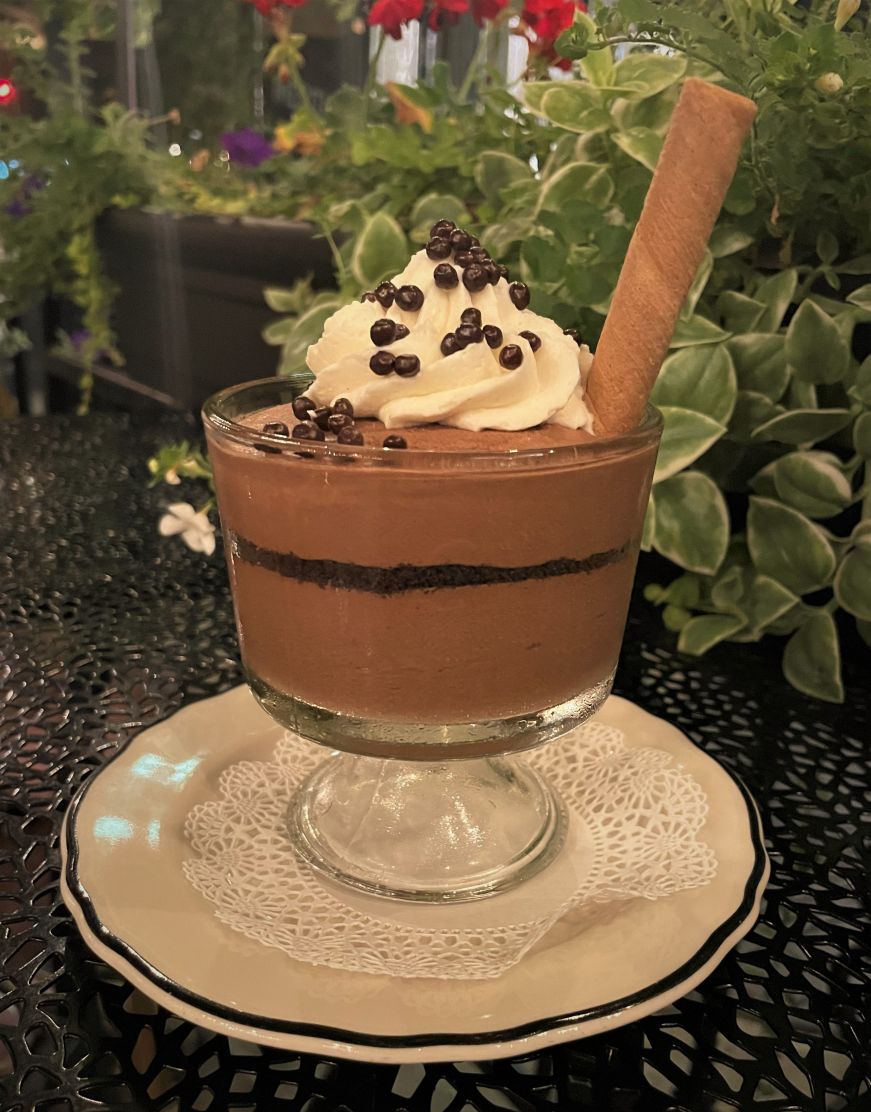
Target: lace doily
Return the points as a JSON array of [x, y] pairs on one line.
[[635, 818]]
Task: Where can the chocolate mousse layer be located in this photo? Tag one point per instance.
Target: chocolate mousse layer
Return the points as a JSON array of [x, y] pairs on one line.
[[472, 576]]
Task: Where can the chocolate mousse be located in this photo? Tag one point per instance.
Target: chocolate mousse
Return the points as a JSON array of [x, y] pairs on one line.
[[459, 547]]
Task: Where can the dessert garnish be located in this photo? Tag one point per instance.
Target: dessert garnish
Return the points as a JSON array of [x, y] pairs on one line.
[[394, 441]]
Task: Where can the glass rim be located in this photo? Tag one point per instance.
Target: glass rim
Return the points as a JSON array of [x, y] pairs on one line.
[[214, 417]]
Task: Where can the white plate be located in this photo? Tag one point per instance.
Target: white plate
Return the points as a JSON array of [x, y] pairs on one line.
[[123, 845]]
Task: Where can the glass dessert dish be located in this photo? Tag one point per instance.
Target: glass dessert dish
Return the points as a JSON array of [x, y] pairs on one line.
[[427, 614]]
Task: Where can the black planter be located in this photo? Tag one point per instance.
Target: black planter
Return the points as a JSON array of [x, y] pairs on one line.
[[190, 309]]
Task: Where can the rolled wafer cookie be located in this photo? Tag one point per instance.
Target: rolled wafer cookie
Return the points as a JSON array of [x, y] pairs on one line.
[[694, 171]]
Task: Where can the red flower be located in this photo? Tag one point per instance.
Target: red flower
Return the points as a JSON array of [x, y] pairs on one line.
[[546, 20], [486, 10], [446, 12], [267, 7], [393, 15]]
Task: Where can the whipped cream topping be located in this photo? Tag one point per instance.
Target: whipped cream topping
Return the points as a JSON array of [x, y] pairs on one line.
[[468, 389]]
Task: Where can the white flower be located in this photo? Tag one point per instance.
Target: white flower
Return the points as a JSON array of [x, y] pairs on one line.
[[829, 83], [171, 477], [196, 530]]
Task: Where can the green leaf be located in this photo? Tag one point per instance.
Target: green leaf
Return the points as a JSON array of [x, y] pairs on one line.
[[699, 378], [803, 426], [686, 436], [380, 250], [574, 106], [777, 292], [579, 181], [861, 388], [698, 286], [815, 348], [674, 618], [597, 65], [739, 312], [757, 599], [692, 522], [827, 247], [277, 332], [853, 583], [496, 169], [760, 363], [751, 410], [812, 659], [787, 546], [861, 297], [861, 265], [702, 633], [641, 143], [812, 482], [697, 330], [282, 301], [307, 329], [728, 240], [641, 74], [862, 435], [436, 206]]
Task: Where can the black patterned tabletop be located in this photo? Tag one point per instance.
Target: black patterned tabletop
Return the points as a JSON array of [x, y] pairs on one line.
[[105, 628]]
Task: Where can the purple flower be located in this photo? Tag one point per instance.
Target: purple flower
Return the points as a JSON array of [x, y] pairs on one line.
[[18, 206], [247, 146], [78, 338]]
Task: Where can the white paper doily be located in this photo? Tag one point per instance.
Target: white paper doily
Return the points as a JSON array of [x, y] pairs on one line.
[[635, 818]]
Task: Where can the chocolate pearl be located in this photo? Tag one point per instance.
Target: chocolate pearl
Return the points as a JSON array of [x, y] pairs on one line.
[[460, 240], [302, 406], [368, 295], [463, 259], [519, 294], [511, 357], [275, 428], [339, 421], [492, 335], [442, 229], [438, 249], [384, 294], [480, 255], [445, 277], [503, 270], [493, 274], [401, 332], [406, 366], [307, 431], [471, 316], [450, 344], [349, 435], [531, 338], [383, 332], [321, 417], [395, 442], [342, 405], [475, 241], [469, 334], [575, 335], [409, 298], [382, 362], [474, 277]]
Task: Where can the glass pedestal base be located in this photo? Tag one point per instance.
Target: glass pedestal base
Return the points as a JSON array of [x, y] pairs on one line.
[[439, 832]]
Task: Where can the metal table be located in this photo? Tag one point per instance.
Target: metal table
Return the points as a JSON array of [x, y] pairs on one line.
[[105, 627]]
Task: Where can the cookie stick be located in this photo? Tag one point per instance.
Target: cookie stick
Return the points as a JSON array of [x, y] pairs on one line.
[[694, 171]]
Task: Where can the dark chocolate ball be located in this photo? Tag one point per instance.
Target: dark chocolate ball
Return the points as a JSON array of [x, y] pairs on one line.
[[307, 430], [339, 421], [382, 362], [450, 344], [442, 229], [409, 298], [493, 274], [321, 417], [519, 294], [438, 249], [383, 332], [445, 277], [575, 335], [368, 295], [394, 441], [492, 335], [275, 428], [463, 259], [469, 334], [474, 277], [511, 357], [302, 406], [349, 435], [471, 316], [406, 366], [342, 405], [401, 332], [384, 294], [532, 339], [460, 240]]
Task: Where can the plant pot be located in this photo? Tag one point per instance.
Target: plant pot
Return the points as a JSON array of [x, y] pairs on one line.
[[189, 308]]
